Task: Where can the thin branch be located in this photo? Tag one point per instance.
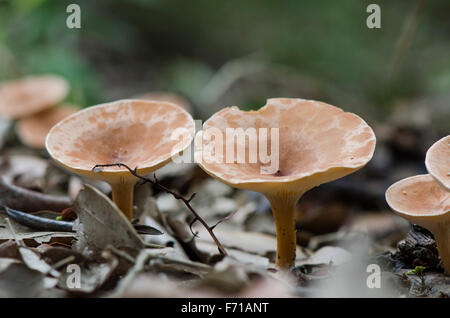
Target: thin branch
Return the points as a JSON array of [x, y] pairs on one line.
[[222, 251], [224, 219]]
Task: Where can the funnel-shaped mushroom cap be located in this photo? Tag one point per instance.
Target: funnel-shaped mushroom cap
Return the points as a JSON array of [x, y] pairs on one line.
[[437, 161], [33, 130], [317, 143], [420, 199], [134, 132], [30, 95]]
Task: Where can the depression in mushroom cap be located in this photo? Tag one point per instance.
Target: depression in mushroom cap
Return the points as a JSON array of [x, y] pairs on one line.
[[31, 94], [314, 137], [141, 134], [137, 133]]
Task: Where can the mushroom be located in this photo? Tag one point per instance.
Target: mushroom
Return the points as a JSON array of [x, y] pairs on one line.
[[437, 161], [167, 97], [421, 200], [30, 95], [316, 143], [134, 132], [32, 130]]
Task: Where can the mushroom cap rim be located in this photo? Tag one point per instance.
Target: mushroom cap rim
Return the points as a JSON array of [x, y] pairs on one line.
[[62, 81], [428, 162], [401, 211], [293, 178], [119, 171]]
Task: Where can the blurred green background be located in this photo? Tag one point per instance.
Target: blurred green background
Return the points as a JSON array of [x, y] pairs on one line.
[[222, 53]]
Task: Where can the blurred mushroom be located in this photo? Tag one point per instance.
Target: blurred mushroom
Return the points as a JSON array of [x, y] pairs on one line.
[[421, 200], [134, 132], [317, 143], [30, 95], [437, 161], [32, 130], [167, 97]]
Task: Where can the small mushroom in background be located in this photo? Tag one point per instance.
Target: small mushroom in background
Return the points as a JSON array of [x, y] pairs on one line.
[[137, 133], [437, 161], [33, 130], [421, 200], [30, 95], [167, 97], [317, 143]]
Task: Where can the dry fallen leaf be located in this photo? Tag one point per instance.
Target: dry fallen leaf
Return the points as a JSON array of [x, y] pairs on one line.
[[18, 280], [100, 223], [93, 275]]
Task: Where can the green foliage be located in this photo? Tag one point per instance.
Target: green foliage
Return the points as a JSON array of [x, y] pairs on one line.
[[182, 44], [418, 270]]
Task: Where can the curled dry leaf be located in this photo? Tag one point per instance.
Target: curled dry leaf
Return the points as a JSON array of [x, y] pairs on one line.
[[39, 223], [30, 201], [100, 223]]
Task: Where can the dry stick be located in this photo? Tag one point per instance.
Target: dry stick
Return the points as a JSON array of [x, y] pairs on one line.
[[177, 196], [19, 242]]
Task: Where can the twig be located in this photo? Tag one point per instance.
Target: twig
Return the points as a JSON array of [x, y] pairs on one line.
[[63, 262], [122, 254], [176, 195], [19, 242]]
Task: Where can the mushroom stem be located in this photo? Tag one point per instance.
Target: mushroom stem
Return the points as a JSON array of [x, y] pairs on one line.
[[122, 194], [283, 210], [442, 238]]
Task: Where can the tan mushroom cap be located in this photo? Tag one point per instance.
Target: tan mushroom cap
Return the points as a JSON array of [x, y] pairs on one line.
[[420, 199], [437, 161], [167, 97], [318, 143], [33, 130], [135, 132], [31, 95]]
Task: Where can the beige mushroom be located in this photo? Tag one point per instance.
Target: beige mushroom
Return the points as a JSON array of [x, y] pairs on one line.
[[437, 161], [167, 97], [134, 132], [317, 143], [421, 200], [31, 95], [33, 130]]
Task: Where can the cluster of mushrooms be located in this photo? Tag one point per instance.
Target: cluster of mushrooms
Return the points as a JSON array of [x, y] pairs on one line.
[[35, 102], [425, 199], [318, 143]]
